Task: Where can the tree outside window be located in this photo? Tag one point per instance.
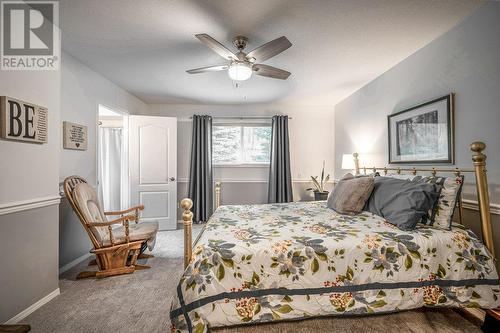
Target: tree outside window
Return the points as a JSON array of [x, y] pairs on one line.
[[241, 144]]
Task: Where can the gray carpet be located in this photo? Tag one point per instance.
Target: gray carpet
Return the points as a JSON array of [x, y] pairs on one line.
[[170, 244], [136, 302], [140, 302]]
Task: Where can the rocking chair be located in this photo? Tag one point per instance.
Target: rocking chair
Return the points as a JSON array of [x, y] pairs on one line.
[[116, 249]]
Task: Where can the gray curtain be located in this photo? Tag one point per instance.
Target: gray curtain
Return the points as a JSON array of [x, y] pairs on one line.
[[200, 171], [280, 179]]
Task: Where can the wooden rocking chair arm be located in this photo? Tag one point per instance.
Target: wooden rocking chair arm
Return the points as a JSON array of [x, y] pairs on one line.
[[121, 220], [138, 207], [124, 220]]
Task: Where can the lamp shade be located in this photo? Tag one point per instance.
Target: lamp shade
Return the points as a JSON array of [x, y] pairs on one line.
[[240, 71], [348, 162]]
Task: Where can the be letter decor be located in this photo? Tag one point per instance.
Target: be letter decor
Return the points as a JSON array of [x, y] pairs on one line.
[[22, 121]]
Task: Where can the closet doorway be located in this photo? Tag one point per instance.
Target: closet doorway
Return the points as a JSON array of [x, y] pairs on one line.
[[112, 159]]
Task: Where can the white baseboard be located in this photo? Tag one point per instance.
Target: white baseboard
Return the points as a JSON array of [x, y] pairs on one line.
[[73, 263], [32, 308]]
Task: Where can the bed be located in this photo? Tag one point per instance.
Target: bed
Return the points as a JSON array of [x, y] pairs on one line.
[[261, 263]]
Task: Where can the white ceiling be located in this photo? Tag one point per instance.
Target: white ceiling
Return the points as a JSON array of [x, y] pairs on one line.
[[338, 46]]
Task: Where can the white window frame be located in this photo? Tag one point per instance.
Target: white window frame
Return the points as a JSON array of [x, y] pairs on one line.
[[241, 165]]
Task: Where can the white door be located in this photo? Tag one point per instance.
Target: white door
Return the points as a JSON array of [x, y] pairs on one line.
[[153, 168]]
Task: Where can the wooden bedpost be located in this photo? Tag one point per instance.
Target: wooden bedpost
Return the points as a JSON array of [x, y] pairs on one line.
[[187, 217], [356, 164], [217, 195], [482, 193]]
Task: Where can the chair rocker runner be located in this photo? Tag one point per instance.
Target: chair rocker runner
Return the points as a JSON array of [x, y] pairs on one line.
[[116, 249]]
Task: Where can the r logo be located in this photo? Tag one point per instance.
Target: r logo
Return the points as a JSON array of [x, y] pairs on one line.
[[30, 35], [27, 28]]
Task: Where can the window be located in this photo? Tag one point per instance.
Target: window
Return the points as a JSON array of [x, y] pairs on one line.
[[241, 144]]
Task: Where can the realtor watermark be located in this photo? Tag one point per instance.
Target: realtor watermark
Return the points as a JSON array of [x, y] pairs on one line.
[[30, 38]]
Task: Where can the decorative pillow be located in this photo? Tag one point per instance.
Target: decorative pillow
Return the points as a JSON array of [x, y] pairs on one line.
[[448, 198], [441, 215], [350, 194], [402, 202]]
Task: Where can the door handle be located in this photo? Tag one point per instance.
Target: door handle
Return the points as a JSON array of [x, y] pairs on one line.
[[172, 179]]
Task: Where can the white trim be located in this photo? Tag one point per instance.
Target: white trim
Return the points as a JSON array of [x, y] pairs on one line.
[[473, 205], [241, 165], [241, 180], [32, 308], [228, 180], [236, 180], [308, 180], [73, 263], [19, 206]]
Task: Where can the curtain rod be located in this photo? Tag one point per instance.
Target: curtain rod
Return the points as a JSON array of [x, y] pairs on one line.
[[241, 118]]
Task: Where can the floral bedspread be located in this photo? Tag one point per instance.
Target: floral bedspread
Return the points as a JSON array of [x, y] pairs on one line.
[[259, 263]]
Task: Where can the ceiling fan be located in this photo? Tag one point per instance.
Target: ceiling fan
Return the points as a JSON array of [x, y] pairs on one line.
[[242, 65]]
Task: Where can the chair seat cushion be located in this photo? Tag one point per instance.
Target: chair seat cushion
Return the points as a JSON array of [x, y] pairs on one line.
[[137, 231], [88, 205]]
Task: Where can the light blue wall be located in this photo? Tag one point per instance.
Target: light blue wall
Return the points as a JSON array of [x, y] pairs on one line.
[[466, 61], [82, 90]]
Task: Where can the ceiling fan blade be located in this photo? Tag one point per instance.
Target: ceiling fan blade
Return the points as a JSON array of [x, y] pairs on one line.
[[216, 46], [208, 69], [271, 71], [269, 49]]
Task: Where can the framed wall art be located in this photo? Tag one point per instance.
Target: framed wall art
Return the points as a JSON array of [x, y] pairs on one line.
[[423, 133], [74, 136]]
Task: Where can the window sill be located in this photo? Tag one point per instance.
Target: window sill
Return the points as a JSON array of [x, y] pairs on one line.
[[246, 165]]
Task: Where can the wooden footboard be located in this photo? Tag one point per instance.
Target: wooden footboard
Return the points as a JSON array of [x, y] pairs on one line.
[[217, 194], [187, 217]]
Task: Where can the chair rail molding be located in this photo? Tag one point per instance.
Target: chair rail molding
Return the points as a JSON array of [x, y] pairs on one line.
[[473, 205], [245, 180], [19, 206]]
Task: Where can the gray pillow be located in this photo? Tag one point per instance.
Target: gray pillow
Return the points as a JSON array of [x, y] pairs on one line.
[[350, 194], [402, 202]]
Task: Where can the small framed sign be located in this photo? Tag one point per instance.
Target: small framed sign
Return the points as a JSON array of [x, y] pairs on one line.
[[75, 136], [423, 133], [22, 121]]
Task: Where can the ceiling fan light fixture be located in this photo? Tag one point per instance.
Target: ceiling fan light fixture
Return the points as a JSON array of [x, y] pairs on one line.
[[241, 64], [240, 70]]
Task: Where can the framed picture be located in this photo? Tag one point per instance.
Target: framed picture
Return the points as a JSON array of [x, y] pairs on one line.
[[423, 133], [75, 136]]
